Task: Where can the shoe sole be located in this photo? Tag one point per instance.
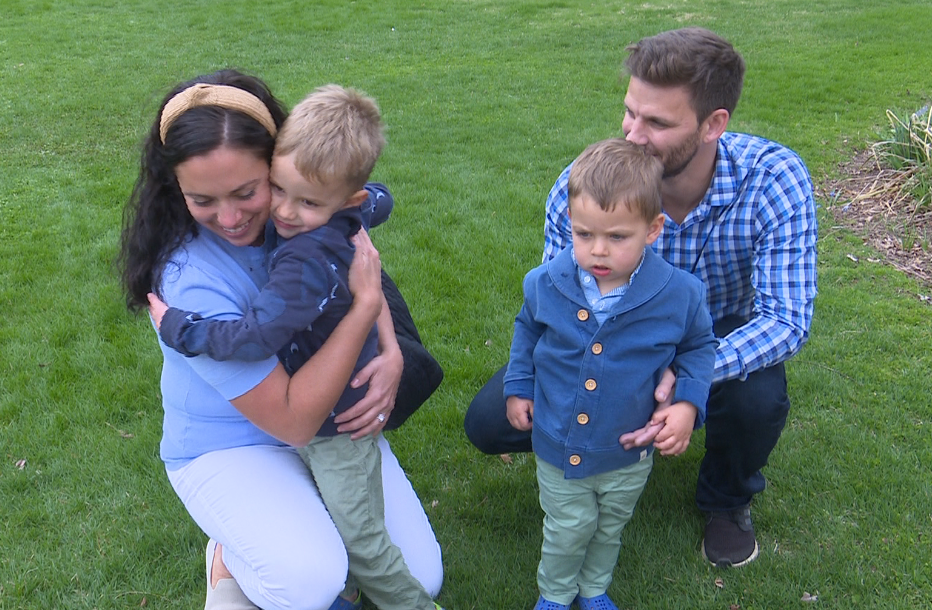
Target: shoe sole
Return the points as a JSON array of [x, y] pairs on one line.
[[728, 564]]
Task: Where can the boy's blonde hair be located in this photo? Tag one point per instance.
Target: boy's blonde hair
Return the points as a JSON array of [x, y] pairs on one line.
[[617, 171], [335, 133]]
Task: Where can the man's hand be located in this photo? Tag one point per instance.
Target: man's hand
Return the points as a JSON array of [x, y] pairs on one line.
[[663, 394], [520, 412], [641, 437]]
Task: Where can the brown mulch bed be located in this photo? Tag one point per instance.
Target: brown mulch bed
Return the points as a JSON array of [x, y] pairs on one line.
[[870, 200]]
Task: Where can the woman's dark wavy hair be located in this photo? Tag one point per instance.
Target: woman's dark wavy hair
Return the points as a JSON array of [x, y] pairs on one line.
[[156, 219]]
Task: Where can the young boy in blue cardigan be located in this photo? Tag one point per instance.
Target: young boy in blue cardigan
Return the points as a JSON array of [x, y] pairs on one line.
[[600, 323]]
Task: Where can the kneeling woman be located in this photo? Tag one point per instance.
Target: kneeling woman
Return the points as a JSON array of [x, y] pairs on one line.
[[197, 233]]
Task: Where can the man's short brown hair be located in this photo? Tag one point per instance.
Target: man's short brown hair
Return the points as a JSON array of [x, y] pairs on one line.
[[616, 171], [695, 58], [335, 134]]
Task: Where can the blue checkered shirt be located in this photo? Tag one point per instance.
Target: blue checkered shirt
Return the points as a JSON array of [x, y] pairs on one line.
[[752, 240]]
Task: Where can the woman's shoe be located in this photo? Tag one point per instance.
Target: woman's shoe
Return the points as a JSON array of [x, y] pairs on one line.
[[227, 595], [544, 604], [599, 602]]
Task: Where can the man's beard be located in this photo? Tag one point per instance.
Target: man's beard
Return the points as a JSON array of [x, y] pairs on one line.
[[679, 158]]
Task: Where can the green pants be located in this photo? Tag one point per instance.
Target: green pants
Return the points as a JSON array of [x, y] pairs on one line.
[[348, 474], [583, 520]]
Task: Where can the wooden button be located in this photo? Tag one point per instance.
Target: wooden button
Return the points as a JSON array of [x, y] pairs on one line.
[[583, 315], [596, 348], [591, 384], [575, 460], [582, 418]]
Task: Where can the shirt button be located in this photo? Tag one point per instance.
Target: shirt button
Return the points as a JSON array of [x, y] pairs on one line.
[[575, 460], [583, 315], [586, 279], [591, 384], [583, 419], [596, 348]]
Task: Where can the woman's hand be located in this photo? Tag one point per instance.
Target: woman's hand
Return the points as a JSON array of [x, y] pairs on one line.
[[157, 309], [383, 373], [369, 415]]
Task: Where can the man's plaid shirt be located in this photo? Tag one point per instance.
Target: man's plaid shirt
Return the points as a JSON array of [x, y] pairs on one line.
[[752, 240]]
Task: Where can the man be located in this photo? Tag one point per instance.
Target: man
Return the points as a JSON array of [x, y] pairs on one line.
[[740, 216]]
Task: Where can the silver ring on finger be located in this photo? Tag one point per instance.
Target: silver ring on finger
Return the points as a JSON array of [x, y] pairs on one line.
[[381, 418]]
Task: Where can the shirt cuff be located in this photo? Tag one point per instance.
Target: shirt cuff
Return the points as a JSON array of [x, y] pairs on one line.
[[728, 363]]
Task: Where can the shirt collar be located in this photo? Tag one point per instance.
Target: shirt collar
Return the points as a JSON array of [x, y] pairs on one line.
[[594, 285]]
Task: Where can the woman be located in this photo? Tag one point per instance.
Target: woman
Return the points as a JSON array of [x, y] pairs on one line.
[[197, 232]]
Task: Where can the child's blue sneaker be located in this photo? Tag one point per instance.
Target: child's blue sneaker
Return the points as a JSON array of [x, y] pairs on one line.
[[341, 603], [543, 604], [600, 602]]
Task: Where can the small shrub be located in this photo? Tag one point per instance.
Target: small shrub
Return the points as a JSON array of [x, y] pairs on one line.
[[909, 152]]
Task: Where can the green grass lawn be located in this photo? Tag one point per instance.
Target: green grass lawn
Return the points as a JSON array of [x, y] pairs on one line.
[[485, 103]]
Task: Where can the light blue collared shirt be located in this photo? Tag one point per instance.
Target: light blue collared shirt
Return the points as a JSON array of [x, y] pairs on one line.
[[602, 303]]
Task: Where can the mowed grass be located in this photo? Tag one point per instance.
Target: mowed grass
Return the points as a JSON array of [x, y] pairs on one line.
[[485, 103]]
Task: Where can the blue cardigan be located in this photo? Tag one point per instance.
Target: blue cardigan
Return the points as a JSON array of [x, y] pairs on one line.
[[590, 383]]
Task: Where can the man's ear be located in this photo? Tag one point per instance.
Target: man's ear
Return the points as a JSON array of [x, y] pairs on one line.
[[715, 124], [356, 198]]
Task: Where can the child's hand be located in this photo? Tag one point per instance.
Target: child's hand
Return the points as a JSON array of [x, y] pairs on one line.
[[643, 437], [365, 272], [157, 309], [520, 412], [678, 420]]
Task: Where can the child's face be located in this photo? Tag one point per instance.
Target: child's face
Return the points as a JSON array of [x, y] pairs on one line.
[[609, 245], [300, 205]]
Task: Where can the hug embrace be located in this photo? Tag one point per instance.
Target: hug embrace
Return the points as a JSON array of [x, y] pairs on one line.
[[678, 276]]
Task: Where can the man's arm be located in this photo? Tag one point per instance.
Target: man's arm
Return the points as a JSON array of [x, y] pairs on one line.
[[784, 278], [558, 233]]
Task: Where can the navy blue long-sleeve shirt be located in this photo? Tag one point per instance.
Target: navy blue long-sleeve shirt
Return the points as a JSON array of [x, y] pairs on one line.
[[306, 297]]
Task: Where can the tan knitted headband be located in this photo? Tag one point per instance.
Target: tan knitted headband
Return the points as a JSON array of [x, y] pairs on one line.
[[225, 96]]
